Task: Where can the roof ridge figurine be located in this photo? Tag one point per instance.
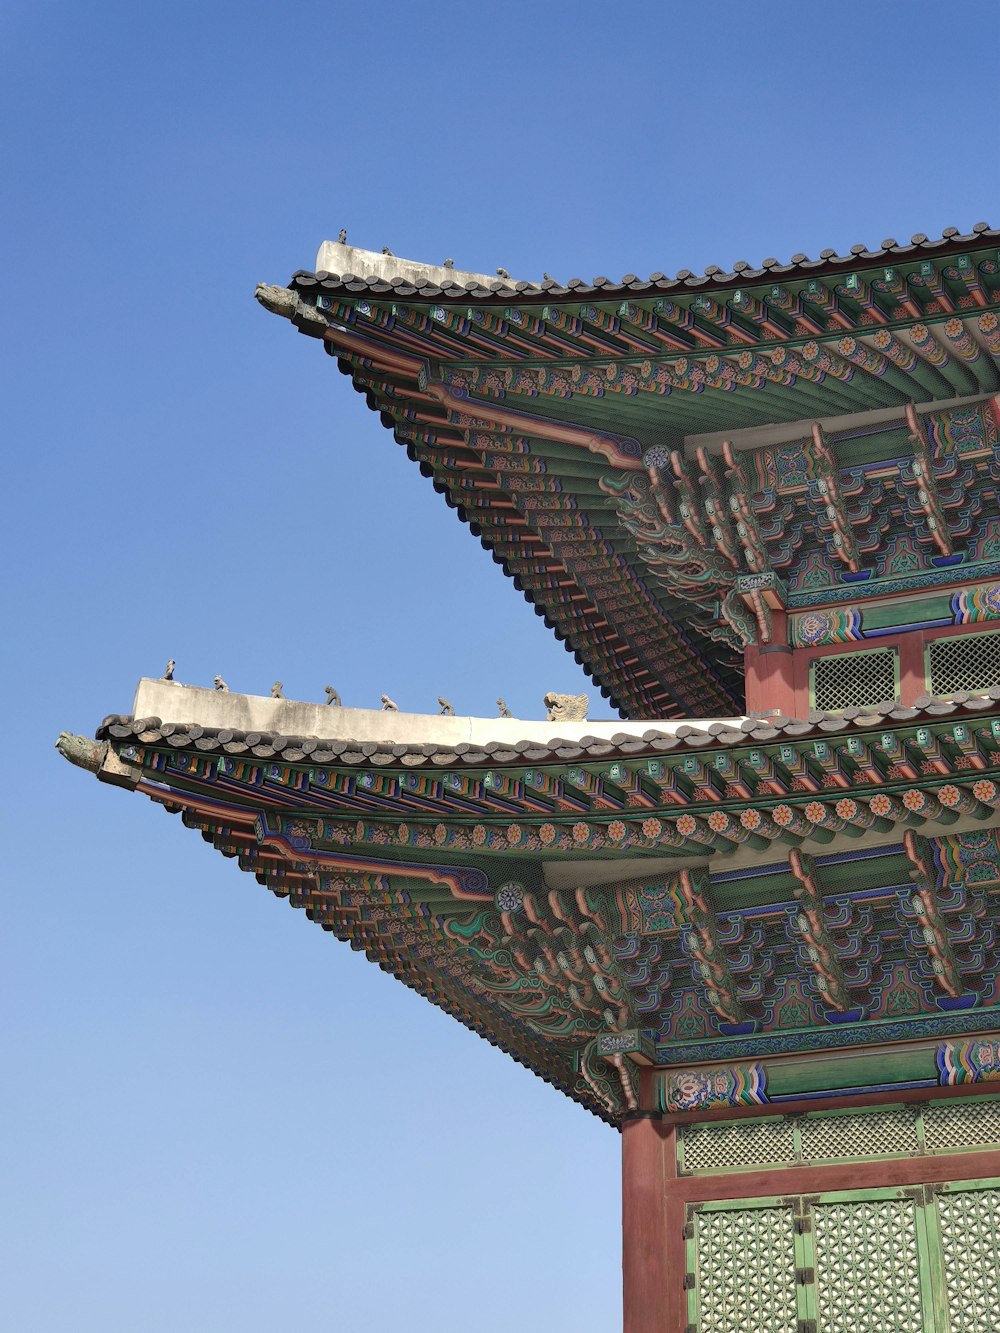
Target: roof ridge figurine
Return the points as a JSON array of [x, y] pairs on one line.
[[332, 697], [168, 670], [504, 710], [220, 684], [387, 704], [277, 690], [567, 707], [446, 709]]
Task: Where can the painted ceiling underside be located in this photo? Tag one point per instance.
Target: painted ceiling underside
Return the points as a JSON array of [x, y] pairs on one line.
[[783, 889], [581, 432]]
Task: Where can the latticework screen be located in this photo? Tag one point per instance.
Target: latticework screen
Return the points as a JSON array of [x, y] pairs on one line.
[[868, 1266], [961, 1124], [854, 680], [737, 1144], [865, 1134], [967, 662], [746, 1267], [969, 1221], [885, 1131], [880, 1259]]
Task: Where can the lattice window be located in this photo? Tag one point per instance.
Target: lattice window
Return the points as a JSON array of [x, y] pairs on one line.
[[865, 1134], [969, 1221], [746, 1271], [854, 680], [967, 662], [883, 1132], [737, 1143], [868, 1266], [961, 1124]]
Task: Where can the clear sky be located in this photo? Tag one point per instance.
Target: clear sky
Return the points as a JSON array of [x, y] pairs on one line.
[[214, 1116]]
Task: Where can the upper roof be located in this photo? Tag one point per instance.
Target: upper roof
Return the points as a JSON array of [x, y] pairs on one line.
[[659, 463]]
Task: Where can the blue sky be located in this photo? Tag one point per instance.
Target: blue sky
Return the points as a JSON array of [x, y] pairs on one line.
[[216, 1117]]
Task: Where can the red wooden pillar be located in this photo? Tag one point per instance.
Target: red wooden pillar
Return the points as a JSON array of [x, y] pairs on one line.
[[646, 1279], [769, 672], [912, 678]]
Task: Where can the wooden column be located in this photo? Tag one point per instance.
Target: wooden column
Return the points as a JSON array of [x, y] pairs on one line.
[[646, 1281], [769, 672]]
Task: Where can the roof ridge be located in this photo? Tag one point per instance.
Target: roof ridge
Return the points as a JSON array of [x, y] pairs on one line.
[[359, 751], [408, 277]]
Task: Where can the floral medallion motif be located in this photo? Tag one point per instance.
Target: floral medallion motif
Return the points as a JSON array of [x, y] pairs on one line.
[[509, 897]]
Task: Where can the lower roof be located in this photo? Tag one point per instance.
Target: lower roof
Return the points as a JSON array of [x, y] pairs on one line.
[[767, 892]]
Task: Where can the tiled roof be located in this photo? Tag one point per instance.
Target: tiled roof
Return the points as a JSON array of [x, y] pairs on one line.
[[564, 424], [366, 753], [951, 239]]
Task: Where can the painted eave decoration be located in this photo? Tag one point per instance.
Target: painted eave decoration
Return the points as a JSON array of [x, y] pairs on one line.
[[591, 903], [604, 440]]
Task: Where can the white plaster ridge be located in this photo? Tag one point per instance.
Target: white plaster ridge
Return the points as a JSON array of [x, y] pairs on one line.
[[190, 705], [338, 257]]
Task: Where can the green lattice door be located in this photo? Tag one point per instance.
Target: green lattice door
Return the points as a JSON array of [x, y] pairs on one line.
[[966, 1217], [871, 1263], [919, 1260], [743, 1259]]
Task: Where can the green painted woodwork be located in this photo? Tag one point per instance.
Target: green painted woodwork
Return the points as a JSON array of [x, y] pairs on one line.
[[788, 1078], [742, 1261], [911, 1260], [887, 615]]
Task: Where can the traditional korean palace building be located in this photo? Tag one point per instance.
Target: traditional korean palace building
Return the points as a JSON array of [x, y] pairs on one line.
[[754, 925]]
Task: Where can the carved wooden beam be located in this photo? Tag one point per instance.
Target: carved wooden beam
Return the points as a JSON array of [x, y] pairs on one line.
[[931, 924], [818, 950], [922, 469]]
